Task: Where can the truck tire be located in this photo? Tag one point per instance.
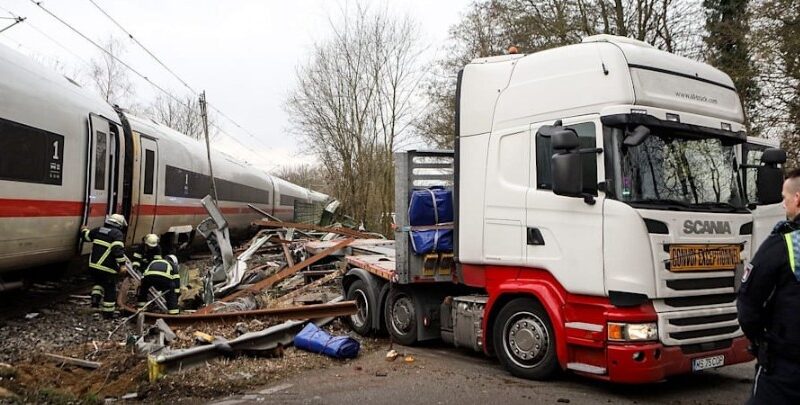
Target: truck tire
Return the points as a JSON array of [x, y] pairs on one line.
[[524, 341], [401, 317], [361, 321]]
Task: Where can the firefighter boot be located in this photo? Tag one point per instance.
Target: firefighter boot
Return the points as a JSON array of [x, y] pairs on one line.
[[96, 298]]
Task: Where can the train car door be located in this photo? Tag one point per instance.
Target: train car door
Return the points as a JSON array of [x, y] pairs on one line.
[[148, 187], [99, 175]]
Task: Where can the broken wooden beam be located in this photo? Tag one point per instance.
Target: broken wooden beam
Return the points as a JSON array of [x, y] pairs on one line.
[[72, 361], [291, 295], [270, 281]]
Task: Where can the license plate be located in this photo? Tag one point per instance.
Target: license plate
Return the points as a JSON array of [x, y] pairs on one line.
[[703, 257], [708, 362]]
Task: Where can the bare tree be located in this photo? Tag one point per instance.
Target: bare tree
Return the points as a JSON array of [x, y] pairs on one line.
[[110, 77], [490, 27], [776, 45], [182, 115], [728, 27], [306, 175], [354, 103]]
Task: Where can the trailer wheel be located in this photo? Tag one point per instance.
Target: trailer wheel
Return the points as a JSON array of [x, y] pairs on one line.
[[361, 320], [524, 340], [401, 317]]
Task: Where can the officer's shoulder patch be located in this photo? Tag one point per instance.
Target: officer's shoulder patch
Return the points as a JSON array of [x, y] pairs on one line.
[[747, 270]]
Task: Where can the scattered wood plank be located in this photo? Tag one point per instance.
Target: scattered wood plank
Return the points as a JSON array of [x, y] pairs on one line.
[[291, 295], [270, 281], [73, 361]]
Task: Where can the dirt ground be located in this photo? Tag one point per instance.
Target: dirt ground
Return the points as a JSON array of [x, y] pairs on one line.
[[55, 317]]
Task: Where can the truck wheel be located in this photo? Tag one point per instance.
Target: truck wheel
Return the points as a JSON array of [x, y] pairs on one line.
[[401, 317], [361, 321], [524, 340]]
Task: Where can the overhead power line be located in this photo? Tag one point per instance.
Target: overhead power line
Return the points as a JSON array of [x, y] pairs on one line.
[[143, 47], [44, 34], [185, 84], [145, 78]]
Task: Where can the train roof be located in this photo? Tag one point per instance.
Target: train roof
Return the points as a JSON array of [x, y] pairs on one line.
[[34, 88]]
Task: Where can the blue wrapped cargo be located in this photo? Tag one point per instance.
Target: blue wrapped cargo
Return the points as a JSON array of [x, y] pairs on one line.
[[430, 206], [432, 241], [314, 339]]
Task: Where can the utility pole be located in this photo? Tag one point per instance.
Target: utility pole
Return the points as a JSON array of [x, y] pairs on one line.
[[204, 115]]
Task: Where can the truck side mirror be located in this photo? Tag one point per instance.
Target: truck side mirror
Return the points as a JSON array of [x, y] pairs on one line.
[[773, 156], [769, 177], [567, 174], [769, 184], [565, 164]]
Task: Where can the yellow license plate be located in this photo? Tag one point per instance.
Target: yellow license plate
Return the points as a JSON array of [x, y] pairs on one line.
[[703, 257]]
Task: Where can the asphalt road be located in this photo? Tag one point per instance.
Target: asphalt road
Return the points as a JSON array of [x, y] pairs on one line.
[[442, 375]]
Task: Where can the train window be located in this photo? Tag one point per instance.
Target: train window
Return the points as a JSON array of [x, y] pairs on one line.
[[100, 149], [149, 168], [187, 184], [287, 200], [30, 155]]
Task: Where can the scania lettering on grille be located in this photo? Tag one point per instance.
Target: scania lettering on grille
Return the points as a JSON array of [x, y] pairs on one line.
[[701, 227]]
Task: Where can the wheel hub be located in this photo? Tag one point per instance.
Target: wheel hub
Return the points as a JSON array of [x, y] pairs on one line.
[[527, 339], [402, 314], [360, 317]]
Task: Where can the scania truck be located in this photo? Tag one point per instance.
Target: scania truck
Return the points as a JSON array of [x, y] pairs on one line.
[[605, 201]]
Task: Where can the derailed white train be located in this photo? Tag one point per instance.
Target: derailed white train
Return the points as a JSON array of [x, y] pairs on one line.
[[67, 159]]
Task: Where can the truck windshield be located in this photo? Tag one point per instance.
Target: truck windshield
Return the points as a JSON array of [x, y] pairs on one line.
[[677, 172]]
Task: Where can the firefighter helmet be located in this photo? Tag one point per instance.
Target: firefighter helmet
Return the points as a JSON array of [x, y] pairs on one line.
[[117, 220], [173, 260], [151, 240]]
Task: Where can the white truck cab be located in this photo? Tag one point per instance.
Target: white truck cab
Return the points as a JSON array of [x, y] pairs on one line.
[[612, 167]]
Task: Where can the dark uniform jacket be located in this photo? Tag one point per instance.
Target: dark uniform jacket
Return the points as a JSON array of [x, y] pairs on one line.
[[108, 250], [144, 255], [769, 298], [164, 268]]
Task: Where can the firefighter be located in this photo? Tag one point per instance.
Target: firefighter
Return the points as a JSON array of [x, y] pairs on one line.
[[163, 275], [147, 252], [106, 261], [768, 301]]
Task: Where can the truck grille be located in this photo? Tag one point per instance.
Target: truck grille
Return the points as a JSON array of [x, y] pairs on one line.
[[696, 301], [697, 326]]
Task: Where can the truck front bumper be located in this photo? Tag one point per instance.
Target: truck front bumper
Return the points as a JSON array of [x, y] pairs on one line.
[[645, 363]]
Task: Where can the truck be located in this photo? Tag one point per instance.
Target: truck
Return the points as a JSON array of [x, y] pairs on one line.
[[606, 200]]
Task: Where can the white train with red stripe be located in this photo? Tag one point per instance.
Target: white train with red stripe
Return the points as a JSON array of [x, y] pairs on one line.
[[68, 158]]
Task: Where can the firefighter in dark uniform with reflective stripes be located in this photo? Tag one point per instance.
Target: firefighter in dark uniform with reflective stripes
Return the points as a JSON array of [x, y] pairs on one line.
[[163, 275], [147, 252], [107, 260], [769, 305]]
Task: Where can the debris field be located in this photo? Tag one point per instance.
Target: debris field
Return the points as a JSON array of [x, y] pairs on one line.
[[239, 313]]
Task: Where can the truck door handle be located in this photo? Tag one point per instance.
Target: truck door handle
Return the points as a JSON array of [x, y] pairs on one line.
[[535, 237]]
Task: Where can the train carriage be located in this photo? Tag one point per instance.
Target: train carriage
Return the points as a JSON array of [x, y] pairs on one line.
[[68, 159]]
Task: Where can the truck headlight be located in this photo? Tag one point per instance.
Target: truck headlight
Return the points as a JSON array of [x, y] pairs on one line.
[[625, 332]]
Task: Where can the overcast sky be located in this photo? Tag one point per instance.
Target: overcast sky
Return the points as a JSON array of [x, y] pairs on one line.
[[243, 53]]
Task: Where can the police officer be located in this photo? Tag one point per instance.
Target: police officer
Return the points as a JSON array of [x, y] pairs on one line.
[[163, 275], [106, 261], [769, 301], [147, 252]]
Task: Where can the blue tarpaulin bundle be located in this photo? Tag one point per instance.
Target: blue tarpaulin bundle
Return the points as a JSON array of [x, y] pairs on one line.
[[433, 240], [316, 340], [430, 206]]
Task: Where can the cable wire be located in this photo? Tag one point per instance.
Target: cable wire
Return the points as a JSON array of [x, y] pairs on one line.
[[143, 47], [145, 78], [185, 84]]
